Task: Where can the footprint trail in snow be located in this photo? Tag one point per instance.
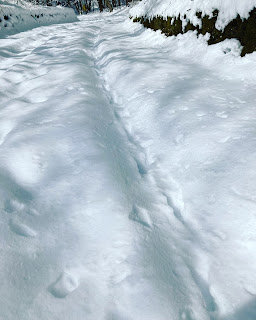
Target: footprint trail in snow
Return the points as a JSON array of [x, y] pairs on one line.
[[118, 179]]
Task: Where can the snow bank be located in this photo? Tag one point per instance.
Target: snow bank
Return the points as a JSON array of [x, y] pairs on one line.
[[228, 9], [189, 110], [16, 18]]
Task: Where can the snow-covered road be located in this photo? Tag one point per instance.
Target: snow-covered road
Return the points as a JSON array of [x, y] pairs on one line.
[[127, 175]]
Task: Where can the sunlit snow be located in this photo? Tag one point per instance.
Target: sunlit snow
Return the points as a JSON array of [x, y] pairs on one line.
[[127, 174]]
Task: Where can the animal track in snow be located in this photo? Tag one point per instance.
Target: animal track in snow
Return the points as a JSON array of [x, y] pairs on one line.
[[13, 205], [32, 212], [141, 167], [65, 284], [141, 216], [21, 229]]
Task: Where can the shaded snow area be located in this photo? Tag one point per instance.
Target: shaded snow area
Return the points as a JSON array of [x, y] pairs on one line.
[[127, 175], [187, 9], [16, 18]]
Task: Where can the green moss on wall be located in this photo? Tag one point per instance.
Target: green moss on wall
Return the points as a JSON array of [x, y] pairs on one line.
[[242, 29]]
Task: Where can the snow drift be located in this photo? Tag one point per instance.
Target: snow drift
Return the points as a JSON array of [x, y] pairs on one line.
[[17, 18]]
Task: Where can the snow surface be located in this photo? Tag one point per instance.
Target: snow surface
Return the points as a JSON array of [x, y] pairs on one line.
[[127, 175], [16, 18], [228, 9]]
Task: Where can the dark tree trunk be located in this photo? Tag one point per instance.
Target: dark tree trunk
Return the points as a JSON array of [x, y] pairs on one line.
[[109, 5], [101, 6]]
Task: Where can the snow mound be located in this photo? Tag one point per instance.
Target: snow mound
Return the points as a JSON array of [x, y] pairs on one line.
[[228, 9], [17, 18]]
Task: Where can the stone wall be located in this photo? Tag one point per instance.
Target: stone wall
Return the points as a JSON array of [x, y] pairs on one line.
[[242, 29]]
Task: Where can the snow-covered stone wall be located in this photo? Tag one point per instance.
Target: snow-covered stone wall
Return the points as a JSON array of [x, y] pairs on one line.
[[17, 18], [221, 19], [228, 9]]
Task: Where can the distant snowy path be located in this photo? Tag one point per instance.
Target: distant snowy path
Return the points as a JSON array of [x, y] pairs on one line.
[[124, 179]]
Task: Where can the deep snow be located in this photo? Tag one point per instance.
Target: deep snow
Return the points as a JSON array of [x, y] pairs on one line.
[[127, 175]]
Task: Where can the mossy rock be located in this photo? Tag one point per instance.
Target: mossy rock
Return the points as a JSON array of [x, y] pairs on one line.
[[249, 34], [190, 27]]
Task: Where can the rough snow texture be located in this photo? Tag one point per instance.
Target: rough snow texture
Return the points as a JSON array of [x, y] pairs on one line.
[[127, 175], [228, 9], [15, 18]]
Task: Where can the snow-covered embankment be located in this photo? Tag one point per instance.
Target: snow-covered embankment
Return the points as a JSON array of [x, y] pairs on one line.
[[217, 19], [15, 18]]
